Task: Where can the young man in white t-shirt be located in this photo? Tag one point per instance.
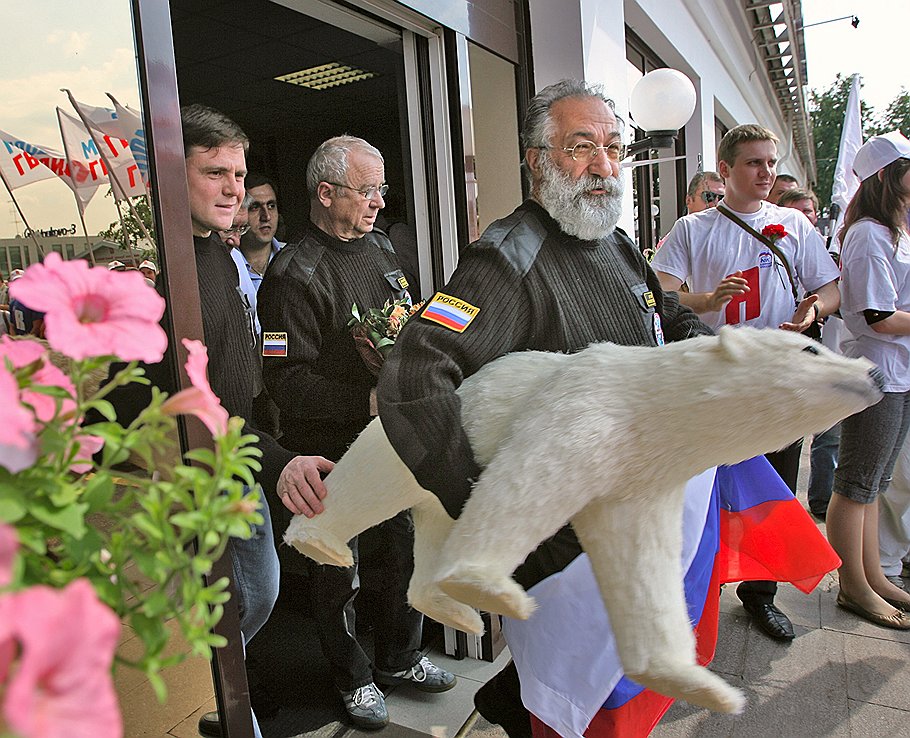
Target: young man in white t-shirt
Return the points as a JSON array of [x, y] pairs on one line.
[[735, 279]]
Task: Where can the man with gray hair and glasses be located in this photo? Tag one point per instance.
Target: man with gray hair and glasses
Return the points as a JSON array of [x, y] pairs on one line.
[[326, 395], [555, 275]]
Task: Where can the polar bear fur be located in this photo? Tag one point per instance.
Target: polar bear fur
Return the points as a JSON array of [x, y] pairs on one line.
[[606, 439]]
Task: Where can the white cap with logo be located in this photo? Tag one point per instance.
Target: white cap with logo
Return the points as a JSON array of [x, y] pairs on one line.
[[878, 152]]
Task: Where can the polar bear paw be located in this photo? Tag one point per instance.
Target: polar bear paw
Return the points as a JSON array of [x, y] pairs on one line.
[[432, 601], [488, 590], [320, 546], [694, 684]]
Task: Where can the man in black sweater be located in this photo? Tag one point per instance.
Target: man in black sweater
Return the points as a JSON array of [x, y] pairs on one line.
[[326, 395], [555, 275], [215, 149]]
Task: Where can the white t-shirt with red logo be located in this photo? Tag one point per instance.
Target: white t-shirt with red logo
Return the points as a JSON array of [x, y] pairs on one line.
[[703, 248]]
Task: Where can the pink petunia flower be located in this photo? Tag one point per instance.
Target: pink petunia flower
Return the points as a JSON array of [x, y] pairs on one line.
[[62, 685], [88, 447], [94, 311], [23, 351], [18, 444], [198, 400], [9, 544]]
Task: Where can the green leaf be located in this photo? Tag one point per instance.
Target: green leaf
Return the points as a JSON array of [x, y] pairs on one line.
[[98, 491], [105, 408], [69, 519]]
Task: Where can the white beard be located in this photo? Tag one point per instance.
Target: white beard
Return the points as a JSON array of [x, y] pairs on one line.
[[579, 214]]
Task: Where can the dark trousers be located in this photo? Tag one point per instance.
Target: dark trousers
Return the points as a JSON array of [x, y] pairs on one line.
[[396, 626], [786, 464]]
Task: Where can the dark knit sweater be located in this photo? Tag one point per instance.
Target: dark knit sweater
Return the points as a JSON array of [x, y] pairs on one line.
[[233, 368], [322, 387], [537, 288]]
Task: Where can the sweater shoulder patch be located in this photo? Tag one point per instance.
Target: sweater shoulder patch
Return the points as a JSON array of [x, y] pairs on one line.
[[518, 238], [298, 260]]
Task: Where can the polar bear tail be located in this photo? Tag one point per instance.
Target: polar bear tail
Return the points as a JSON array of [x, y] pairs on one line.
[[694, 684]]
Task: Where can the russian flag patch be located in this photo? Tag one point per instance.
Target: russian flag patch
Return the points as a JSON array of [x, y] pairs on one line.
[[274, 344], [450, 312]]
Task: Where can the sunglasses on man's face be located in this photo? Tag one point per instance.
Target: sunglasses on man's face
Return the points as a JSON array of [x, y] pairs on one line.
[[710, 197]]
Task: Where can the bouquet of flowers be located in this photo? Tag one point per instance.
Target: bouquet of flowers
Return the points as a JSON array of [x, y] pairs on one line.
[[73, 531], [376, 329]]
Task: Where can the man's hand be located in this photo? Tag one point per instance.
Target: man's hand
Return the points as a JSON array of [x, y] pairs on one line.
[[300, 485], [728, 288], [805, 315]]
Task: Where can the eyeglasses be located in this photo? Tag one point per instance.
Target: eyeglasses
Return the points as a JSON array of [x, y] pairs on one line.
[[368, 194], [588, 151], [710, 197], [236, 230]]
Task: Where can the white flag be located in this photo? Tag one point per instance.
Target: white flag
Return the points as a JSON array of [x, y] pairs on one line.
[[133, 130], [121, 123], [87, 165], [851, 138], [20, 168], [56, 163]]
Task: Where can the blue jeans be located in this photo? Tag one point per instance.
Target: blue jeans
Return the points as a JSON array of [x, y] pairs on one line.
[[256, 577], [821, 475]]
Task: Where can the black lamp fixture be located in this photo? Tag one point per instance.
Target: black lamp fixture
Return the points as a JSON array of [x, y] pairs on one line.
[[854, 21], [660, 104]]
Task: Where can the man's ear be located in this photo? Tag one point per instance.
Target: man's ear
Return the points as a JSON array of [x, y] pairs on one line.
[[723, 169], [532, 156], [325, 194]]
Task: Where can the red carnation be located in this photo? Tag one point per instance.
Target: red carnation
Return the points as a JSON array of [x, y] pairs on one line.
[[774, 232]]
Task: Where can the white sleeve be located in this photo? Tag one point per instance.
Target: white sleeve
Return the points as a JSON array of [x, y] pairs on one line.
[[869, 279], [814, 266], [673, 256]]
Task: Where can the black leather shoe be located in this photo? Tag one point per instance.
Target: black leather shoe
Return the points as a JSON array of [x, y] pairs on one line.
[[771, 620], [210, 725]]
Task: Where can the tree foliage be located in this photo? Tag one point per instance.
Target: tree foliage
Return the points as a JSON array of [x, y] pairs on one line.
[[897, 115], [827, 109], [134, 237]]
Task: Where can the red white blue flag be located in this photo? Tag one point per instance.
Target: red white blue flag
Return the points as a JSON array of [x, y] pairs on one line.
[[741, 523]]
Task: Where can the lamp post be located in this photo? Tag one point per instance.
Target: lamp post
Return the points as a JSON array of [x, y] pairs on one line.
[[660, 104]]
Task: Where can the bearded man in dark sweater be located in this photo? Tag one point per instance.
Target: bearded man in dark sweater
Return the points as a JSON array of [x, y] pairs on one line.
[[555, 275], [326, 395]]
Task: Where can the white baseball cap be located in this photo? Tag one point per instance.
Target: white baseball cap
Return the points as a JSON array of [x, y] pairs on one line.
[[878, 152], [15, 274], [149, 264], [115, 264]]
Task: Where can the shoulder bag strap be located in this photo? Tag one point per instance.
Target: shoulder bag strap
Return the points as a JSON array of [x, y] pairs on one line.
[[767, 242]]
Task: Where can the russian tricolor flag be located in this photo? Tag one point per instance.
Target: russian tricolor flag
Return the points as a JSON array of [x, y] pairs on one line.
[[740, 523]]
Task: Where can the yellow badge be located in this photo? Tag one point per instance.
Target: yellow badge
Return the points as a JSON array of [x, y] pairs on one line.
[[403, 282], [450, 312], [649, 299]]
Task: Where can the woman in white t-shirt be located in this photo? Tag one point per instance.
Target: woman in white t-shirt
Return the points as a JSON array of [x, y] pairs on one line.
[[875, 305]]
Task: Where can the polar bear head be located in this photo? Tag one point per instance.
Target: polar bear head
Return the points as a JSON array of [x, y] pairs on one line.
[[748, 391]]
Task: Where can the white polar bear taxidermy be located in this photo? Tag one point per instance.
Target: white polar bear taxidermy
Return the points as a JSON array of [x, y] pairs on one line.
[[606, 439]]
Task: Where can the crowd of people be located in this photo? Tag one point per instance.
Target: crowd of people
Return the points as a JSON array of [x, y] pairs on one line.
[[555, 275]]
